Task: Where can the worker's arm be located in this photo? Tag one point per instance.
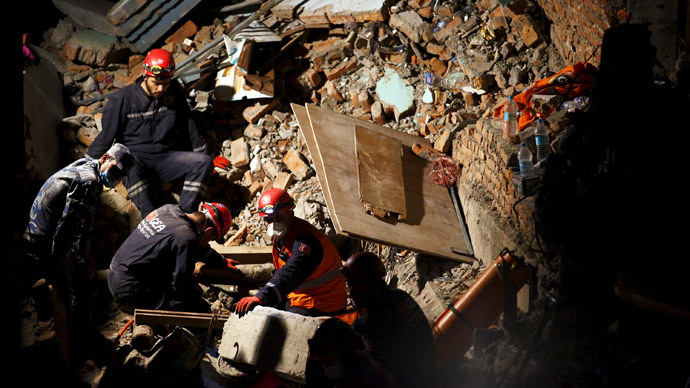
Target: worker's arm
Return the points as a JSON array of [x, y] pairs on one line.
[[214, 259], [306, 255], [111, 123]]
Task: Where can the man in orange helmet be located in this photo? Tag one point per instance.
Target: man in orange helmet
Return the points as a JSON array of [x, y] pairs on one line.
[[153, 267], [307, 280], [152, 118]]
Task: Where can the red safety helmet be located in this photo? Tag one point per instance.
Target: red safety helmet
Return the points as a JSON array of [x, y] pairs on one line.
[[220, 214], [159, 63], [274, 201]]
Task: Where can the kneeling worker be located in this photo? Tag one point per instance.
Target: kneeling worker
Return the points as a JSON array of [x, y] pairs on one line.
[[307, 280], [154, 267]]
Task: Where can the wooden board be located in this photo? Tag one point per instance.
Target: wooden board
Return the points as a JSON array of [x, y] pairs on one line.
[[431, 225], [380, 172], [245, 254], [308, 135]]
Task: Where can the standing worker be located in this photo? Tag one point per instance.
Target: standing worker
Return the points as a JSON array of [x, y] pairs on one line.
[[154, 267], [60, 224], [152, 118], [307, 280], [393, 325]]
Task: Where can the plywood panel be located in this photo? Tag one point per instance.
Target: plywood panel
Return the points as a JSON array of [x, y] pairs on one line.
[[308, 135], [380, 172], [431, 225]]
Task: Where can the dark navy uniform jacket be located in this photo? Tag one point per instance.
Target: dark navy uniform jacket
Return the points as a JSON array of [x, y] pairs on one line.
[[148, 125], [159, 258], [63, 212]]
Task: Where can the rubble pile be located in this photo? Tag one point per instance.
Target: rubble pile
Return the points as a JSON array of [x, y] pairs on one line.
[[429, 67], [423, 67]]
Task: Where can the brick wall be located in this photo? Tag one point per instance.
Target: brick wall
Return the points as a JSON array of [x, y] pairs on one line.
[[577, 26], [485, 158]]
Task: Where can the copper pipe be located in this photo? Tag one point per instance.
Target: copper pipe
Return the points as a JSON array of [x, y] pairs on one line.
[[478, 307]]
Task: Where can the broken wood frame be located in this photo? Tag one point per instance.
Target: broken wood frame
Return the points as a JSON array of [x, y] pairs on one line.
[[430, 227], [179, 318]]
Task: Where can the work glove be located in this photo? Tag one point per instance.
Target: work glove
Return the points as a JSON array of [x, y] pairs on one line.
[[231, 263], [221, 164], [246, 304]]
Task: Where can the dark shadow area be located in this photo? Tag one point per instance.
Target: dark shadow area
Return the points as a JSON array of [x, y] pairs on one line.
[[605, 217]]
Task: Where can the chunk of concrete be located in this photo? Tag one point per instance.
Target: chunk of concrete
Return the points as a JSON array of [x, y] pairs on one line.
[[395, 93], [410, 23], [269, 339]]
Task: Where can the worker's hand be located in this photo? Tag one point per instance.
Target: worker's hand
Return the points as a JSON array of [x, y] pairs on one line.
[[246, 304], [221, 164], [231, 263]]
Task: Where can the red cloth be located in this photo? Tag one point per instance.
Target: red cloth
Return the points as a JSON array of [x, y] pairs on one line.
[[571, 82]]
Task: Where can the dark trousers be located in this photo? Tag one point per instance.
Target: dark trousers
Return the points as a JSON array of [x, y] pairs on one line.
[[193, 167]]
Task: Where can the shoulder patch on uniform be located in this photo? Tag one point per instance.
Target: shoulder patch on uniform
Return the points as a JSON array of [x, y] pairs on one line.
[[152, 215], [304, 248]]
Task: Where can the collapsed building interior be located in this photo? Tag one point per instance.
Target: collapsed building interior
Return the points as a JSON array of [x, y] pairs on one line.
[[604, 302]]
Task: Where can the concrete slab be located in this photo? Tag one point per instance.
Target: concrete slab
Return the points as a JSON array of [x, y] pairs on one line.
[[269, 339]]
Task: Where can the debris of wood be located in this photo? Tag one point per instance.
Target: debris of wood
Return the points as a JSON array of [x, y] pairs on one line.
[[380, 173], [179, 318]]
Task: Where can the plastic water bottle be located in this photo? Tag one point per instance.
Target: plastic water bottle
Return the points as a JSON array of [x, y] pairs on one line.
[[510, 118], [525, 160], [541, 138]]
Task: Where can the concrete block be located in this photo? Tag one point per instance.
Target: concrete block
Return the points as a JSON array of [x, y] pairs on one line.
[[269, 339], [396, 93], [410, 23]]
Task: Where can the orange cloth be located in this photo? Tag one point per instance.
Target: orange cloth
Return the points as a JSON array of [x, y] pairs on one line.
[[572, 81]]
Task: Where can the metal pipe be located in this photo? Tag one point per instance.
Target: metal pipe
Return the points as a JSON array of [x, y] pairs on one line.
[[478, 307]]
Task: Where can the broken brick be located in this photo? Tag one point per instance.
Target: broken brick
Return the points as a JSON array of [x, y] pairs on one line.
[[185, 31], [294, 162], [314, 77], [377, 113], [283, 180], [253, 113], [341, 69], [528, 30], [239, 152]]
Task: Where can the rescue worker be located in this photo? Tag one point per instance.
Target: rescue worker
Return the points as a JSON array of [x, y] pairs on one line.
[[307, 279], [59, 229], [340, 352], [393, 325], [154, 267], [152, 118]]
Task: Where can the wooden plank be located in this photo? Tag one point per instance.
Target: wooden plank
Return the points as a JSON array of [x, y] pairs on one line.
[[245, 254], [178, 318], [308, 135], [431, 225], [380, 172]]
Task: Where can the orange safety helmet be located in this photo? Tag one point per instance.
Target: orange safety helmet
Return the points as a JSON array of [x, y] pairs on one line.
[[274, 201], [159, 63], [220, 214]]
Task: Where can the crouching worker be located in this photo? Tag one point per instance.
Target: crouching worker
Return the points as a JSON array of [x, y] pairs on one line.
[[342, 357], [307, 280], [153, 268]]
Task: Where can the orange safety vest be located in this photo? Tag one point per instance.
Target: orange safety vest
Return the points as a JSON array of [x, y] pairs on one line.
[[324, 289]]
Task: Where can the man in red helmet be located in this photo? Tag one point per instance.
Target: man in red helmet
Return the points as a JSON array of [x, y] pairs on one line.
[[153, 267], [152, 118], [307, 280]]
